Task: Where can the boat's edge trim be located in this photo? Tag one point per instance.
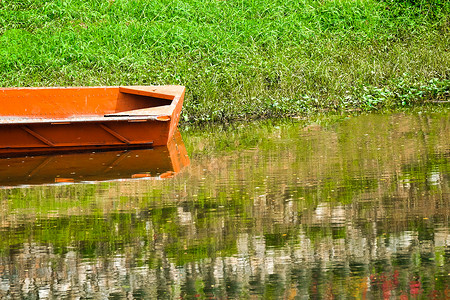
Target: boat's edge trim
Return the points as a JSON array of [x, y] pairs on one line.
[[66, 121]]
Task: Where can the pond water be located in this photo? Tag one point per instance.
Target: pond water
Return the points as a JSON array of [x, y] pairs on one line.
[[337, 207]]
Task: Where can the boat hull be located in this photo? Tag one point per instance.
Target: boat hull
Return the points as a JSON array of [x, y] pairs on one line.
[[132, 117]]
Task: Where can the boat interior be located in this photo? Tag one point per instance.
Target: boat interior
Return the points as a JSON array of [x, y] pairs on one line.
[[67, 103]]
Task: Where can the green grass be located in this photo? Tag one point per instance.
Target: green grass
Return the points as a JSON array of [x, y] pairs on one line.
[[239, 59]]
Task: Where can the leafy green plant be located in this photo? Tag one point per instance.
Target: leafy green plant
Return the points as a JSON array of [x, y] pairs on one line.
[[239, 59]]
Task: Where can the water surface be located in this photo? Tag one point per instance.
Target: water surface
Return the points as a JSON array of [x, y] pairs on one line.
[[344, 207]]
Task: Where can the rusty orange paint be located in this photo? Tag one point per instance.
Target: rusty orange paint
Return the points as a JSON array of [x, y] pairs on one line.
[[35, 120], [158, 162]]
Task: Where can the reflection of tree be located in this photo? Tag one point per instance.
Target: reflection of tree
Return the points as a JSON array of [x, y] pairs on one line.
[[356, 209]]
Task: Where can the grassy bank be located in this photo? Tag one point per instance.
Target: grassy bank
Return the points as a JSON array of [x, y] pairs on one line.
[[239, 59]]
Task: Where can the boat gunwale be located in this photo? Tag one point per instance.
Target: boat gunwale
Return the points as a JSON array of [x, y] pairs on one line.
[[23, 120]]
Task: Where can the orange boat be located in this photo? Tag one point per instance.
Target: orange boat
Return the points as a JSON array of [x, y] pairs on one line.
[[35, 120], [159, 162]]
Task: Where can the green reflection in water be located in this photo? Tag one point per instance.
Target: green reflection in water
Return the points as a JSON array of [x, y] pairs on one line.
[[292, 209]]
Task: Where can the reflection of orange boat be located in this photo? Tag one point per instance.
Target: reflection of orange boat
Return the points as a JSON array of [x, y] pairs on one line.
[[54, 119], [158, 162]]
